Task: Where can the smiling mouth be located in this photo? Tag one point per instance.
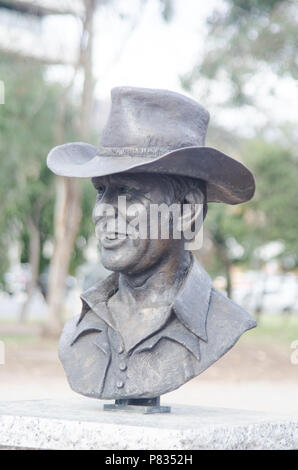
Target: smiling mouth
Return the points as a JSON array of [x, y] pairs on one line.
[[114, 235], [113, 240]]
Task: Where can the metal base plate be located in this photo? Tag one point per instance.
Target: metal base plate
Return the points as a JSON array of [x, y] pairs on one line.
[[138, 405], [146, 410]]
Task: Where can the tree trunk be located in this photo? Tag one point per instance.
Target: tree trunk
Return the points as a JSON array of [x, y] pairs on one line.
[[68, 198], [86, 61], [228, 266], [34, 257], [223, 255], [67, 222]]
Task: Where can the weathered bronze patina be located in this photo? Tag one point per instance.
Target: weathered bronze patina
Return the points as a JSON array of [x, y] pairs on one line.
[[157, 321]]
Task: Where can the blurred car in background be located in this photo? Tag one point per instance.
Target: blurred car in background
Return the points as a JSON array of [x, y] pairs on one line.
[[259, 292]]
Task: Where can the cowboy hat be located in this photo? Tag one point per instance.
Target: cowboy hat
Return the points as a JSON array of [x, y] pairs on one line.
[[156, 131]]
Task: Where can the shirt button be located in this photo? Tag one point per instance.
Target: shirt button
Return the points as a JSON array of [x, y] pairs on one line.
[[120, 384], [122, 366]]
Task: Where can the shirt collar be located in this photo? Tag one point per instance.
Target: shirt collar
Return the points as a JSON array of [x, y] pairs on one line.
[[190, 306], [192, 302], [96, 297]]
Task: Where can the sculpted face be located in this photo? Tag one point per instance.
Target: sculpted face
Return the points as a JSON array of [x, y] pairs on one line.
[[120, 252]]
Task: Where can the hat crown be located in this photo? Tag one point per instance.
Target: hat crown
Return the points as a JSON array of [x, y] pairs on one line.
[[158, 132], [143, 118]]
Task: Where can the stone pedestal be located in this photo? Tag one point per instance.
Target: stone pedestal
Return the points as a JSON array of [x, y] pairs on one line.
[[82, 424]]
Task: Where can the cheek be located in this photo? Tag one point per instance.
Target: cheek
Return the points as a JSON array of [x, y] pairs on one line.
[[136, 218], [157, 248], [137, 248]]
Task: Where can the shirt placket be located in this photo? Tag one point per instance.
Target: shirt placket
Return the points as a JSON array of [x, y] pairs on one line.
[[119, 362]]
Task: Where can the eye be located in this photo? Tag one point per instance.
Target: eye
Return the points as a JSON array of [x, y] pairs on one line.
[[100, 191]]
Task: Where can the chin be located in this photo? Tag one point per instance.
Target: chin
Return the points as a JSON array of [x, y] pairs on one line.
[[123, 259]]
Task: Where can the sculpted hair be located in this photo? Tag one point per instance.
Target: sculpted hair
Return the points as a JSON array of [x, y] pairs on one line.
[[182, 184]]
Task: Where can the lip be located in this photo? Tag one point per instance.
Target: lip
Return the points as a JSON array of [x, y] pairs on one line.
[[108, 242]]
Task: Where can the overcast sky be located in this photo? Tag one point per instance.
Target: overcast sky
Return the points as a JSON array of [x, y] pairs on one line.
[[156, 52], [143, 50]]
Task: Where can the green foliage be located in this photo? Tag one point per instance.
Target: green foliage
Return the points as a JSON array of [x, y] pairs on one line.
[[281, 329], [28, 130], [233, 240], [167, 9], [241, 8], [271, 215], [245, 37], [276, 170], [86, 227]]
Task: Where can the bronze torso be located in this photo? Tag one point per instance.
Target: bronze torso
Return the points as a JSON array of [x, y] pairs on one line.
[[157, 322], [177, 349]]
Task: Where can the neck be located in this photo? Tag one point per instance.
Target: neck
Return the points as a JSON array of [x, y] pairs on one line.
[[158, 284]]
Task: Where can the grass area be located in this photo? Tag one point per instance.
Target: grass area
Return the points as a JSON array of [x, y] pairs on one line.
[[277, 329], [16, 333], [280, 329], [18, 339]]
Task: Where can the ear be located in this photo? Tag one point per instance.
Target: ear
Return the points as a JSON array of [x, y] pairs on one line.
[[192, 219]]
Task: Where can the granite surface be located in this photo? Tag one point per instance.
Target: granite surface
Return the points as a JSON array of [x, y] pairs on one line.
[[82, 424]]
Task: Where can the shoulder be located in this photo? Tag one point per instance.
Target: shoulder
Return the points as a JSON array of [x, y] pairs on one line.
[[83, 361], [226, 322], [78, 326], [225, 312]]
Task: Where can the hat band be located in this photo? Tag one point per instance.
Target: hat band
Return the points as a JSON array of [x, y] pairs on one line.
[[133, 151]]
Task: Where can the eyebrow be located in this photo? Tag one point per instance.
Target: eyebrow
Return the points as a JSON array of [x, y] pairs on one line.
[[97, 180], [102, 180]]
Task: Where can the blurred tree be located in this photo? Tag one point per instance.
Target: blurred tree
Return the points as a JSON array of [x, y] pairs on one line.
[[28, 130], [236, 232], [61, 127], [68, 201], [167, 9], [248, 37], [275, 205], [68, 193], [231, 240]]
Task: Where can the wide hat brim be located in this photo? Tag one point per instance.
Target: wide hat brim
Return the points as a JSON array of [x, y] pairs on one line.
[[227, 179]]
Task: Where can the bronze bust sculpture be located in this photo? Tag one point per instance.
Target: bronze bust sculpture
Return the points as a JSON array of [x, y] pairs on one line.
[[157, 321]]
